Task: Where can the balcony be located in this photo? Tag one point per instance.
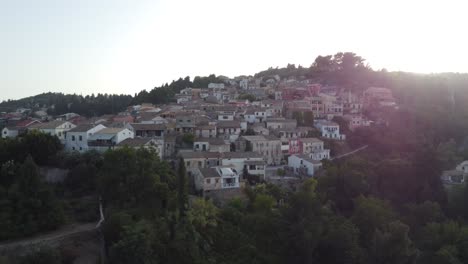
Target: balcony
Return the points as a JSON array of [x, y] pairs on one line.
[[231, 185], [101, 143]]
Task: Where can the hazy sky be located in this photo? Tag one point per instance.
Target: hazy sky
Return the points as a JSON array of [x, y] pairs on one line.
[[117, 46]]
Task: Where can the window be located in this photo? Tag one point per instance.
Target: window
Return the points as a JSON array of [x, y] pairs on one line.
[[81, 148], [81, 138], [188, 163], [73, 138], [197, 146], [73, 148], [199, 164], [217, 181], [208, 181]]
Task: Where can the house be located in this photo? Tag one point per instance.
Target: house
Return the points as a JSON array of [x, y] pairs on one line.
[[211, 144], [54, 128], [108, 138], [157, 145], [150, 118], [329, 129], [303, 165], [278, 95], [216, 86], [216, 178], [197, 160], [147, 130], [251, 161], [275, 110], [378, 96], [356, 121], [206, 131], [77, 138], [255, 115], [229, 130], [281, 123], [185, 122], [289, 133], [453, 177], [267, 146], [259, 129], [18, 129], [314, 147], [169, 146]]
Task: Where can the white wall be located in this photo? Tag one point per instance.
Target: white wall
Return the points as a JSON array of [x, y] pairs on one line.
[[295, 162]]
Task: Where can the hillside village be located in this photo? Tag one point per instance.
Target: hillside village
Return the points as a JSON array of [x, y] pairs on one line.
[[277, 131]]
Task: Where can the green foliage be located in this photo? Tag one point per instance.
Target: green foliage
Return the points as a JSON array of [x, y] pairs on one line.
[[165, 93], [249, 97], [392, 245], [59, 103], [203, 214], [29, 205], [43, 255], [135, 245], [182, 192], [369, 215], [280, 172], [39, 145], [188, 138], [136, 179]]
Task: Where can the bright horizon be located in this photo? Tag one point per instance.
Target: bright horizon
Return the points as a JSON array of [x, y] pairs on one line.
[[116, 46]]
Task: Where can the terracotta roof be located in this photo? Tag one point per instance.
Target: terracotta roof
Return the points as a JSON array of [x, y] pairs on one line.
[[48, 125]]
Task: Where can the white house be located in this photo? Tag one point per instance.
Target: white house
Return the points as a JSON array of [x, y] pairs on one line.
[[302, 164], [329, 129], [252, 116], [229, 130], [54, 128], [77, 138], [108, 138], [211, 145], [253, 162], [314, 147], [20, 128], [216, 178]]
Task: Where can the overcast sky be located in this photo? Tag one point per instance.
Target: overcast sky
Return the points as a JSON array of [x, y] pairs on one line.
[[117, 46]]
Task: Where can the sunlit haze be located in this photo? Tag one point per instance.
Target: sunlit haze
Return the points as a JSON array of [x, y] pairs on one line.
[[116, 46]]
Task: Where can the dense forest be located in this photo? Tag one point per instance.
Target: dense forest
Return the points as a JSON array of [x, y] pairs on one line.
[[101, 104], [385, 205]]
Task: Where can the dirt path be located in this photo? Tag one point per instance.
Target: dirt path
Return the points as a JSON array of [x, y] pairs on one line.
[[51, 236], [350, 153]]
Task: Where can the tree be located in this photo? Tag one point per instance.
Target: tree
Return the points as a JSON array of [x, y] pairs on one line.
[[182, 195], [392, 245], [369, 215], [308, 119], [299, 117], [30, 204], [249, 97], [135, 245]]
